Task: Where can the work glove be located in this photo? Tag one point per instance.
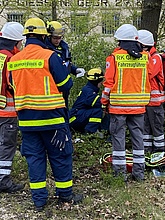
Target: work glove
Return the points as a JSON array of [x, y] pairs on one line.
[[80, 72], [105, 98], [59, 138]]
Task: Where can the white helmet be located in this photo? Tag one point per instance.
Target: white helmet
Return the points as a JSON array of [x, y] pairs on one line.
[[13, 31], [126, 32], [146, 38]]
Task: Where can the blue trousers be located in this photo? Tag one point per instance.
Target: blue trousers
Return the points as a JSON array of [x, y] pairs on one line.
[[88, 120], [37, 147]]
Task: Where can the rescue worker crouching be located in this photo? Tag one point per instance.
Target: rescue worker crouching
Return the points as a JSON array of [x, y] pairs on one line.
[[55, 42], [39, 78], [127, 89], [10, 42], [154, 115], [86, 112]]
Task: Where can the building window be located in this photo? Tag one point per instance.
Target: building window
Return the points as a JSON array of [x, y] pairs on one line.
[[15, 17], [137, 21], [110, 23], [79, 23]]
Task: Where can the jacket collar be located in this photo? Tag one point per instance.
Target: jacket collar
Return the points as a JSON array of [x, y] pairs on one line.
[[95, 88], [6, 44], [35, 41]]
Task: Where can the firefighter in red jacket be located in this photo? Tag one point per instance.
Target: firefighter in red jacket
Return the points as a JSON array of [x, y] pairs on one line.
[[154, 116], [126, 92], [39, 78], [10, 42]]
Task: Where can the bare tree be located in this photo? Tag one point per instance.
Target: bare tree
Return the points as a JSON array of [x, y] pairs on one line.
[[150, 16]]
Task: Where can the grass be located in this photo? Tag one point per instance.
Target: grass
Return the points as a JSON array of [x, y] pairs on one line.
[[105, 197]]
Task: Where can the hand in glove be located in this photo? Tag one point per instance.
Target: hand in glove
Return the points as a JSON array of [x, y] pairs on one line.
[[59, 138], [80, 72]]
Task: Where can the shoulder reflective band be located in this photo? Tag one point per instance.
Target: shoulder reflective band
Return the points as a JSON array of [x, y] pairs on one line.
[[25, 64]]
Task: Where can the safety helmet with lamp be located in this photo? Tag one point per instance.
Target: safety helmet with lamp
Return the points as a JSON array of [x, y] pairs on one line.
[[126, 32], [55, 28], [95, 74], [12, 31], [35, 26], [146, 38]]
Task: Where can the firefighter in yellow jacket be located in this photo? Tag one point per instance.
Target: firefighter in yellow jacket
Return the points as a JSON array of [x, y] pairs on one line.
[[126, 92], [38, 79]]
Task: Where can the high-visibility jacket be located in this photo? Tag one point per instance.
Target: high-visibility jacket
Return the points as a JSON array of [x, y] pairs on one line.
[[157, 80], [42, 94], [7, 108], [36, 112], [127, 85]]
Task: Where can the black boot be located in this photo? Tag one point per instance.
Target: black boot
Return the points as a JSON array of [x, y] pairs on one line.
[[137, 179], [73, 199], [39, 208], [13, 188]]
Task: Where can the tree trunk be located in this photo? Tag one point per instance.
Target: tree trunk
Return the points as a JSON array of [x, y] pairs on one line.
[[150, 16], [54, 10]]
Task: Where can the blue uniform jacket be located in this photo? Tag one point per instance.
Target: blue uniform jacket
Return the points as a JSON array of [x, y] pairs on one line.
[[88, 98], [63, 51], [59, 74]]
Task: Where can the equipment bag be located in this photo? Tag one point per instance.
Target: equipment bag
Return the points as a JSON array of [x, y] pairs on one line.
[[106, 161], [156, 160]]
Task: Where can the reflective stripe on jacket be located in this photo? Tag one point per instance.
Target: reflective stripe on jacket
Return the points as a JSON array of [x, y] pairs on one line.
[[2, 83], [127, 79], [157, 80], [7, 108], [42, 94]]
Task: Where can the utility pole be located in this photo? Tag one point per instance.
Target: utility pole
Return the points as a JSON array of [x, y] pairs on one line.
[[54, 10]]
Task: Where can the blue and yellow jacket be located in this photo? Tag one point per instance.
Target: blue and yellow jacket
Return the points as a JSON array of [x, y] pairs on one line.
[[63, 51], [39, 78], [88, 98]]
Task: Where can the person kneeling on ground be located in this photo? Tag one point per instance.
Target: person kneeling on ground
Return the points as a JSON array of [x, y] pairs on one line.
[[86, 113]]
